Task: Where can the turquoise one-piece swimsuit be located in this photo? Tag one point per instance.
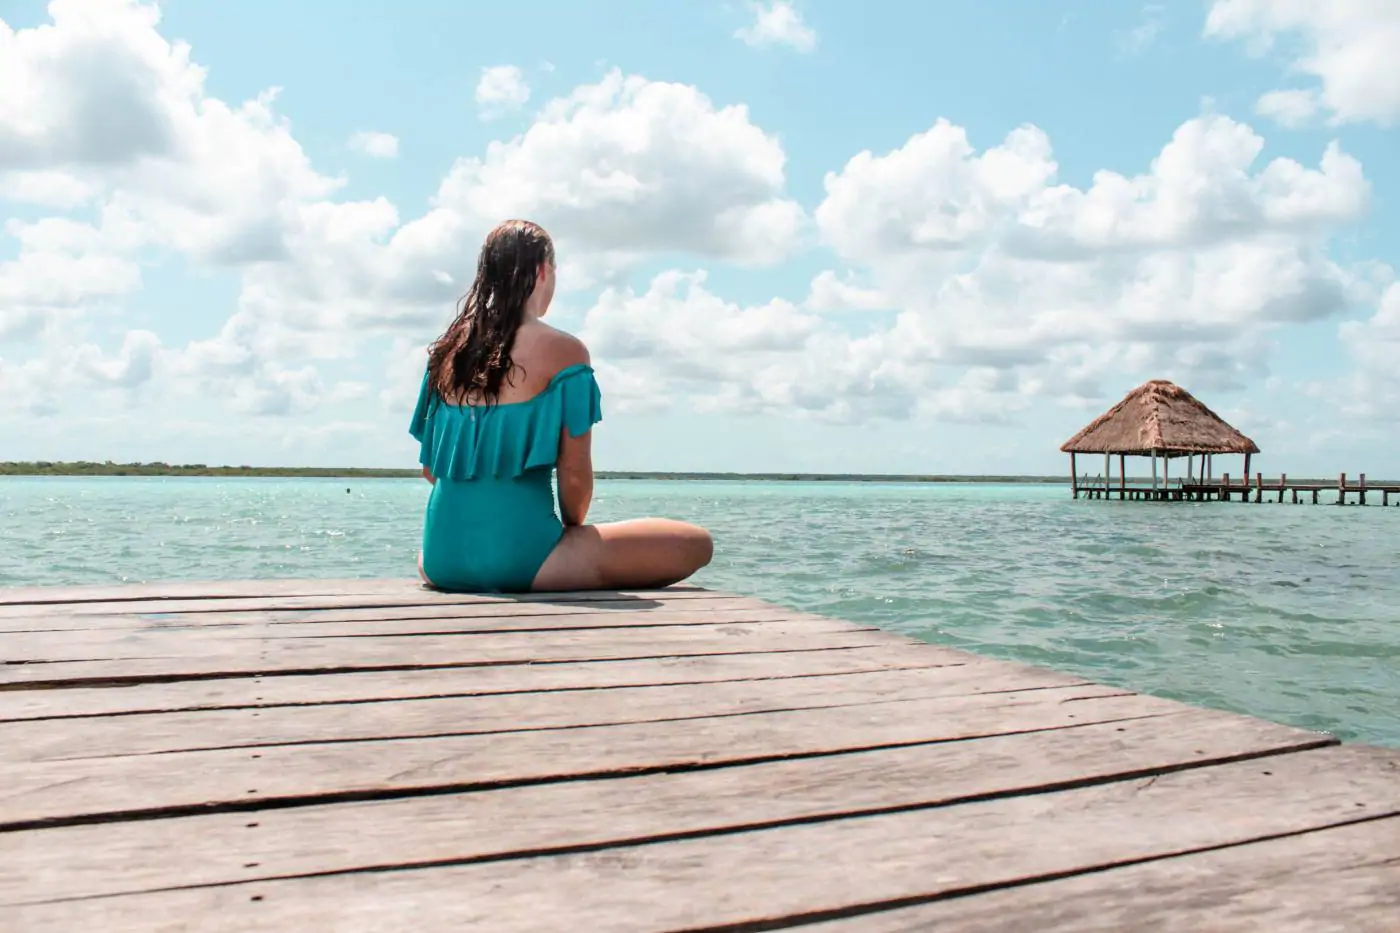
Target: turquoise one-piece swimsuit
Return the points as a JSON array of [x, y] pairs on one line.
[[491, 518]]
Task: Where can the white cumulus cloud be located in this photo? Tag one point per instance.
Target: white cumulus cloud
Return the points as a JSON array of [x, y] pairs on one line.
[[127, 132], [1010, 286], [777, 22], [993, 262], [1347, 46], [1372, 391], [103, 107], [500, 89], [678, 340], [374, 144], [828, 292], [993, 283]]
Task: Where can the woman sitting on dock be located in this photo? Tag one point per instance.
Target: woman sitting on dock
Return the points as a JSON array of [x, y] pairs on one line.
[[506, 402]]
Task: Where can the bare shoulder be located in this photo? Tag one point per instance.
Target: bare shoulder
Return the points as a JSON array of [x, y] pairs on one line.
[[554, 349]]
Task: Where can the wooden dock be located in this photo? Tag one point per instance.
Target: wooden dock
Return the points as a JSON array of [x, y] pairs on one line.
[[372, 756], [1223, 489]]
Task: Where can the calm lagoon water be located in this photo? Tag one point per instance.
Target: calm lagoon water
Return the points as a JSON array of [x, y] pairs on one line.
[[1287, 612]]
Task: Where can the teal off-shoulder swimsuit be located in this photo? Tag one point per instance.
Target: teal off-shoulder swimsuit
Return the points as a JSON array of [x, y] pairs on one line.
[[491, 518]]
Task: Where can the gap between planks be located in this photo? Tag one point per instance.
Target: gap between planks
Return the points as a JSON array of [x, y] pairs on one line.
[[151, 640], [108, 858], [207, 589], [260, 726], [254, 690], [1337, 879], [174, 783], [521, 613], [273, 586], [417, 596], [194, 658], [797, 874], [71, 679]]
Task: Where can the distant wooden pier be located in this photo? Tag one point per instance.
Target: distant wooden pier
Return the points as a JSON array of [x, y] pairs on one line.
[[373, 756], [1224, 489]]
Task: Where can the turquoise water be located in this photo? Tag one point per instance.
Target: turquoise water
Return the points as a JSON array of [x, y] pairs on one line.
[[1287, 612]]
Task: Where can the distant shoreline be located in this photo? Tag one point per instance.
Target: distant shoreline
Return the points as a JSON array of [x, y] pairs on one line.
[[83, 468]]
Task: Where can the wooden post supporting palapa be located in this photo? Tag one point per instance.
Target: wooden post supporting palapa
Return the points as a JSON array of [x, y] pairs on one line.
[[1225, 487], [1258, 487], [1122, 476], [1074, 475]]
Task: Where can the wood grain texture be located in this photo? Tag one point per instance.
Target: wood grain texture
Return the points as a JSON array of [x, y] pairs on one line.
[[371, 755], [106, 788], [1339, 880], [217, 658], [378, 686], [406, 595], [772, 875], [203, 589], [502, 614], [270, 587], [111, 858], [167, 732], [174, 641]]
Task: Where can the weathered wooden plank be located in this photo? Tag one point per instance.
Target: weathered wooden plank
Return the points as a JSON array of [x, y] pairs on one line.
[[417, 596], [792, 871], [194, 659], [504, 614], [1339, 880], [105, 788], [48, 594], [172, 641], [232, 589], [166, 732], [109, 858], [205, 589], [372, 686], [546, 622]]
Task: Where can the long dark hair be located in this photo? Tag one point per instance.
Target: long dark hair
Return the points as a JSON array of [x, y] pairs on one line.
[[472, 357]]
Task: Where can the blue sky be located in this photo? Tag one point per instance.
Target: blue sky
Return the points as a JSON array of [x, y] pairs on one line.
[[806, 236]]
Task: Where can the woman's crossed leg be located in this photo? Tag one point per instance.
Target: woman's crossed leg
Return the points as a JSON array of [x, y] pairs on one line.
[[643, 553]]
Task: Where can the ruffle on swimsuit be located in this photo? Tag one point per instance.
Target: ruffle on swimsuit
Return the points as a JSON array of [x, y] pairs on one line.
[[506, 440]]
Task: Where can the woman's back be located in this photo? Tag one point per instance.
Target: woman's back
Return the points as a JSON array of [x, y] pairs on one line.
[[491, 519], [508, 402]]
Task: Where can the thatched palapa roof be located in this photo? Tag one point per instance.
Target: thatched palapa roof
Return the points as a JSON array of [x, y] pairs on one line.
[[1162, 417]]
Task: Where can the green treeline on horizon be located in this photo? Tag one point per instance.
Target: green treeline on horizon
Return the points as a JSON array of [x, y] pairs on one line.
[[109, 468]]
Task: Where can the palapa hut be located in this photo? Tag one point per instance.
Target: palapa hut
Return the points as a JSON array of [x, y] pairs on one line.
[[1158, 419]]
